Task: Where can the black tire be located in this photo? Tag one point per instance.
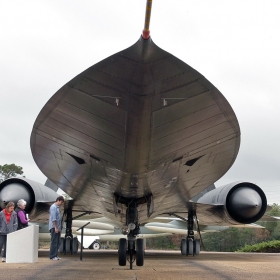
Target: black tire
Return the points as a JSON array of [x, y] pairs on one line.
[[62, 245], [96, 245], [75, 245], [68, 245], [189, 247], [139, 252], [122, 251], [183, 247], [196, 246]]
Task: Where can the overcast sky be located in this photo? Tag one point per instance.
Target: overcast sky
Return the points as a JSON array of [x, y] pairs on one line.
[[234, 44]]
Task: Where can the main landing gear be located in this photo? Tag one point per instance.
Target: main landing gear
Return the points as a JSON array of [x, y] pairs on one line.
[[69, 244], [132, 249], [190, 246]]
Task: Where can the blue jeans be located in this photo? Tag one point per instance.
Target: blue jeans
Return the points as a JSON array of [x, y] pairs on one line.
[[55, 242], [3, 242]]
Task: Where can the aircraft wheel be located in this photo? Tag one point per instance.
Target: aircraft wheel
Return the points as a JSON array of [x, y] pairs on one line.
[[75, 245], [189, 247], [196, 246], [68, 245], [122, 251], [183, 247], [96, 245], [139, 252], [62, 245]]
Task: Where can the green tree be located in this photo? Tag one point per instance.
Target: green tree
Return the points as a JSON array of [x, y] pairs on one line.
[[275, 234], [275, 210], [272, 226], [170, 242], [9, 170], [233, 239]]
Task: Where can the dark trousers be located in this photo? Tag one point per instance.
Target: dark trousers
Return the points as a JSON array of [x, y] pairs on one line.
[[55, 242], [3, 242]]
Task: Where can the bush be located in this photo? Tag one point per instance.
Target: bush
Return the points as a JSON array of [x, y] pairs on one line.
[[263, 247]]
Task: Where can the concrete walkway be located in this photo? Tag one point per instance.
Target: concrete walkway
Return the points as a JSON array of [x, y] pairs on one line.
[[161, 265]]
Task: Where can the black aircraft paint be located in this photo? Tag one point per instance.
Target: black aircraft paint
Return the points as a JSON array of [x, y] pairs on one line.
[[139, 123], [139, 135]]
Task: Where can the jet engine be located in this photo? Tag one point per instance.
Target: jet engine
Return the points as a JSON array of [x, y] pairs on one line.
[[243, 202], [38, 197]]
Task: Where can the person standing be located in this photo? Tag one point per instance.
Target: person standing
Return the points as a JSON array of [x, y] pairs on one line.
[[21, 215], [55, 226], [8, 224]]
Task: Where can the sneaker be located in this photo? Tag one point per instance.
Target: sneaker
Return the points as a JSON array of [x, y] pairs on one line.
[[59, 258], [55, 259], [3, 259]]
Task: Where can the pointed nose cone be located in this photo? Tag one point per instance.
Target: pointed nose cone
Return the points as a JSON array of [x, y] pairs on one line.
[[13, 192], [245, 204]]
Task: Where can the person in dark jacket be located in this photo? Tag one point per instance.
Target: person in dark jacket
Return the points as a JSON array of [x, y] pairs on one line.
[[21, 215], [8, 224]]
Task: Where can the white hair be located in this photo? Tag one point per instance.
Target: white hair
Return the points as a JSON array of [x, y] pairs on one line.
[[21, 202]]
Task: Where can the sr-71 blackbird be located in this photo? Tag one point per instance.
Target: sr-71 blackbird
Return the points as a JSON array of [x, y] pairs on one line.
[[139, 135]]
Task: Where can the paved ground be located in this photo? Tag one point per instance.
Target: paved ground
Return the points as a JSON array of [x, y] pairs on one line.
[[161, 265]]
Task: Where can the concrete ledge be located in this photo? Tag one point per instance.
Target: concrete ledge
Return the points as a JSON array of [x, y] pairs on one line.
[[22, 245]]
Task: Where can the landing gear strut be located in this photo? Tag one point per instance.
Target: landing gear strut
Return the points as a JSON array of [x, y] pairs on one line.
[[68, 244], [190, 236], [190, 246], [131, 250]]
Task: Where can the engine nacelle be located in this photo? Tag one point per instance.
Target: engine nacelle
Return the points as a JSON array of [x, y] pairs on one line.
[[243, 202], [37, 196]]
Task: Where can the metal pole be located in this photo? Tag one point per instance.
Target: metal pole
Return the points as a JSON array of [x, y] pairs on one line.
[[146, 30], [81, 251], [82, 239]]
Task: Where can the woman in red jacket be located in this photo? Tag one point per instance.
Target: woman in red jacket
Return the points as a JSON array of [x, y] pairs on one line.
[[8, 224]]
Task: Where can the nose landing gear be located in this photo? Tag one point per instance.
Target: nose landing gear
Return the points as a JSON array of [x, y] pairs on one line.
[[131, 253], [131, 249]]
